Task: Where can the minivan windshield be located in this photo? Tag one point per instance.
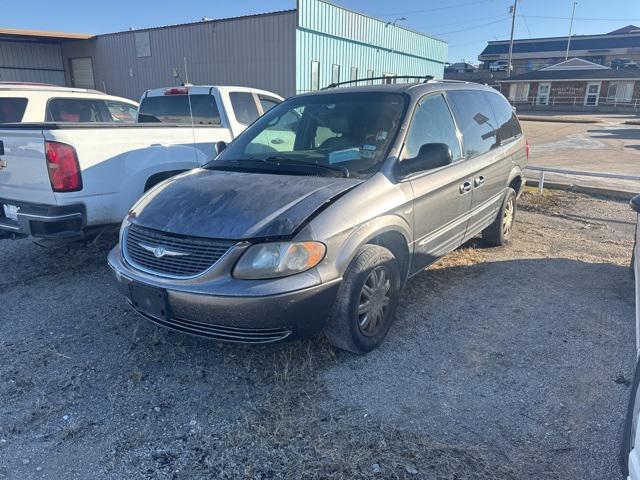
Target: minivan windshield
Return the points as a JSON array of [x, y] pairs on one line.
[[343, 132]]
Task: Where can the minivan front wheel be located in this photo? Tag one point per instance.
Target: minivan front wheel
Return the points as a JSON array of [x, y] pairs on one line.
[[499, 232], [366, 302]]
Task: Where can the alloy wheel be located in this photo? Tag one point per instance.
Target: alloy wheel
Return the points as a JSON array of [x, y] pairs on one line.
[[507, 218], [375, 298]]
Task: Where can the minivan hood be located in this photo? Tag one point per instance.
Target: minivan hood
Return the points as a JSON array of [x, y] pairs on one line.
[[236, 205]]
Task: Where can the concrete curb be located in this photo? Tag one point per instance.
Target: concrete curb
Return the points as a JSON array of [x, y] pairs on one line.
[[599, 191], [556, 119]]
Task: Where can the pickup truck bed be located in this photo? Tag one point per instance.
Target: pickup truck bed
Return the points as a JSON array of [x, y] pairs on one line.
[[118, 162]]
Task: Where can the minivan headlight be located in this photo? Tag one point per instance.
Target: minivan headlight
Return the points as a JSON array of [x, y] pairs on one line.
[[278, 259]]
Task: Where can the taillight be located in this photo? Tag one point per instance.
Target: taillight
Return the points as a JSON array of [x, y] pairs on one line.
[[64, 170], [176, 91], [527, 148]]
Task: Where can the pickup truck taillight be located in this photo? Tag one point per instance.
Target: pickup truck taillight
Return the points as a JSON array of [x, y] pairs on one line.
[[64, 170], [527, 148]]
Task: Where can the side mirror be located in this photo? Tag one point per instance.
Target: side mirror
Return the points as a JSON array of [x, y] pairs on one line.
[[635, 203], [430, 156], [220, 146]]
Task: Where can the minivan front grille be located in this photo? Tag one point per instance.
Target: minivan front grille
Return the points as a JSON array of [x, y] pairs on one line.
[[171, 255]]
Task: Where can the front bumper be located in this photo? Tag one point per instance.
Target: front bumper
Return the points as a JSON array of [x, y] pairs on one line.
[[234, 310], [43, 221]]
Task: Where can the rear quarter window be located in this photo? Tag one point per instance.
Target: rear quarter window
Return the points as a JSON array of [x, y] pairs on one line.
[[12, 109], [475, 120], [507, 123], [122, 112]]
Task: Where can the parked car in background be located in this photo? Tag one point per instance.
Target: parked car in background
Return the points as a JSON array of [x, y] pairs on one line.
[[70, 170], [279, 239], [33, 102], [630, 451], [620, 63], [499, 66]]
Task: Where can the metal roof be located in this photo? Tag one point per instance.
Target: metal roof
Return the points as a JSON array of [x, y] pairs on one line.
[[17, 34], [580, 75], [578, 42], [199, 22]]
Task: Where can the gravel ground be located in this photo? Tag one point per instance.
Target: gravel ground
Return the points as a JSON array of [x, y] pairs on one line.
[[504, 363]]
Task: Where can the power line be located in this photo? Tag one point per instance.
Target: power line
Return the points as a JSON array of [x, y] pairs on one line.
[[453, 24], [434, 9], [525, 21], [588, 18], [474, 27]]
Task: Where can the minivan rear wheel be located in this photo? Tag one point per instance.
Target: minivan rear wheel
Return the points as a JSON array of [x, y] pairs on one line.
[[499, 232], [367, 301]]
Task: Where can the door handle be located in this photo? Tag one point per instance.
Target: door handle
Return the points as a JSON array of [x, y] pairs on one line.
[[478, 181], [465, 187]]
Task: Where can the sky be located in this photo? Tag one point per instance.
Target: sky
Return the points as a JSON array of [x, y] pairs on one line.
[[465, 24]]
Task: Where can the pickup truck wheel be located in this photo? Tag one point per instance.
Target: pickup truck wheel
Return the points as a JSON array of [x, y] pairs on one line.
[[499, 232], [367, 301]]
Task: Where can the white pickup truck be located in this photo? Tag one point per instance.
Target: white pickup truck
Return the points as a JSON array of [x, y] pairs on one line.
[[65, 180]]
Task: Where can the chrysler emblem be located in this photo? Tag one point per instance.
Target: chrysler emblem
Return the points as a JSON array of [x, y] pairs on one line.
[[159, 251]]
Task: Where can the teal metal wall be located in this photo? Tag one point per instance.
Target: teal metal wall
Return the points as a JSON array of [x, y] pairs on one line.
[[331, 35]]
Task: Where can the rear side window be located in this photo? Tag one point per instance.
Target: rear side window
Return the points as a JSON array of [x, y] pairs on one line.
[[475, 120], [77, 110], [12, 109], [432, 123], [178, 109], [506, 121], [244, 107]]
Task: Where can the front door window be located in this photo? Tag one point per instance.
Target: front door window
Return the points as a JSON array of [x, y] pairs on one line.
[[543, 94], [593, 92]]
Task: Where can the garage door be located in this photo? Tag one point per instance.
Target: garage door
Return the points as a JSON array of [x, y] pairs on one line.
[[82, 73]]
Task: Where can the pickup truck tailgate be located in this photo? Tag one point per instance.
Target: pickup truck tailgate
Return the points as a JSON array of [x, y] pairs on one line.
[[23, 170]]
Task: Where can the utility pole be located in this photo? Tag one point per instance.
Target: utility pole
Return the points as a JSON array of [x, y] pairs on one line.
[[513, 24], [566, 57]]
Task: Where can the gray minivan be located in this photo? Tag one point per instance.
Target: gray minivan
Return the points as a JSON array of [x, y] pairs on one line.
[[313, 219]]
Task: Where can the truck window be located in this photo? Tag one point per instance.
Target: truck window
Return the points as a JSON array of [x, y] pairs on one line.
[[175, 109], [267, 103], [12, 109], [244, 107], [122, 112], [76, 110]]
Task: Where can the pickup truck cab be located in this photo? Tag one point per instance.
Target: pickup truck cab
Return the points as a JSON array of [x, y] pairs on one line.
[[29, 102], [315, 216], [66, 177]]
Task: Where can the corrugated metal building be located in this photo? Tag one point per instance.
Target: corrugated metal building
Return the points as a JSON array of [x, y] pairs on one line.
[[33, 56], [286, 52]]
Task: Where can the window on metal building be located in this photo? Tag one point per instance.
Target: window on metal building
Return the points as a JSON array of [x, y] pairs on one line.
[[315, 75], [354, 73], [335, 73]]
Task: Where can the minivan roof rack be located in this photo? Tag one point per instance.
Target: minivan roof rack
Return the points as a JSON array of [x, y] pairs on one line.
[[424, 78]]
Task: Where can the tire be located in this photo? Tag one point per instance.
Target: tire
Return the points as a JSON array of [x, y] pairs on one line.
[[373, 271], [627, 440], [499, 232]]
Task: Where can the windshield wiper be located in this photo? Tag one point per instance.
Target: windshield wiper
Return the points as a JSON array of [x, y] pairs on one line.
[[280, 160]]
